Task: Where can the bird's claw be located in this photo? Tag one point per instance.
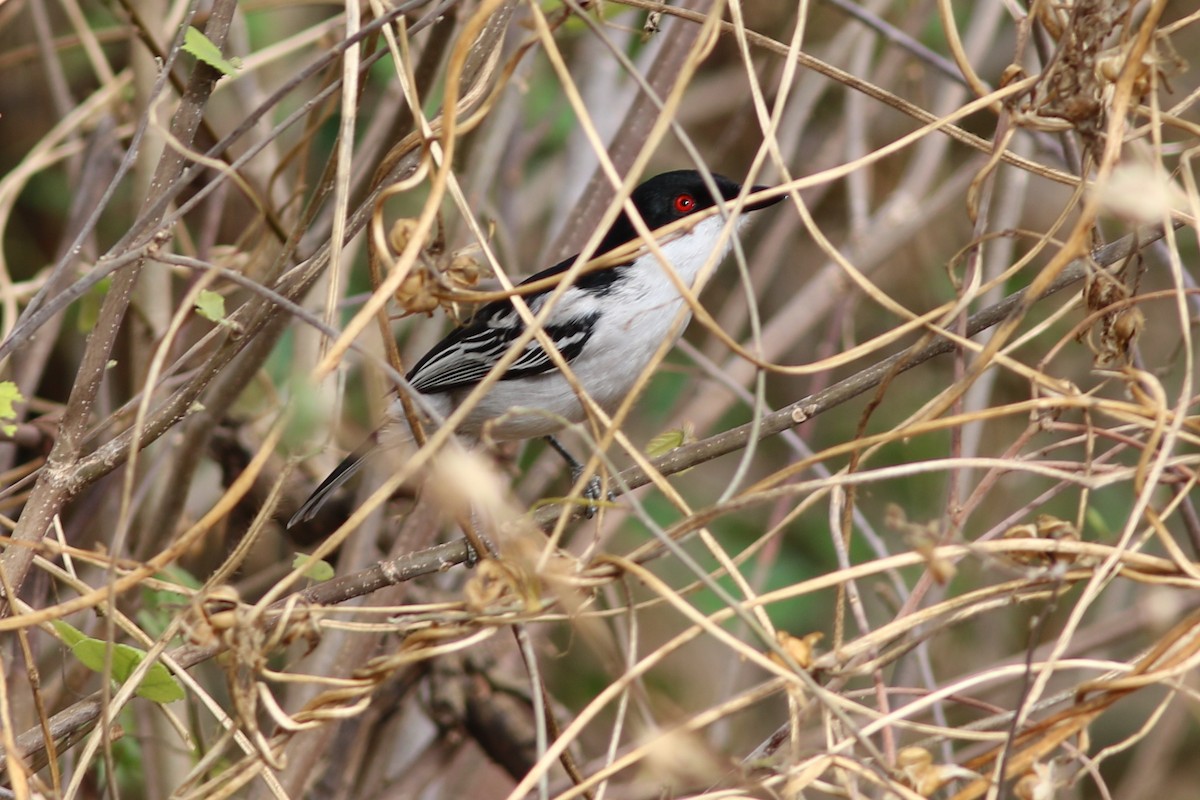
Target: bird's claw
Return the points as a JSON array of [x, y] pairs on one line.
[[592, 493]]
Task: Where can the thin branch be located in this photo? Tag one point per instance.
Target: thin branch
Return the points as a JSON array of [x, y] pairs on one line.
[[689, 455]]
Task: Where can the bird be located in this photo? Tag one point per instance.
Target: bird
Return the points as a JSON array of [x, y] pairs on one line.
[[607, 326]]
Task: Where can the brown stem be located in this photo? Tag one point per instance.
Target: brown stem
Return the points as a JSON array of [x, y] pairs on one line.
[[800, 411], [57, 484]]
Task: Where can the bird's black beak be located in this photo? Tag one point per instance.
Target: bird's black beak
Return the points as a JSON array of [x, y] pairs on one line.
[[757, 204]]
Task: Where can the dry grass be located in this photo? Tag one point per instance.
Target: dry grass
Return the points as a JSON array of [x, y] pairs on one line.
[[925, 523]]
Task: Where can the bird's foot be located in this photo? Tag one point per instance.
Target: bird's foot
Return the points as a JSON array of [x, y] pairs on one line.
[[592, 493]]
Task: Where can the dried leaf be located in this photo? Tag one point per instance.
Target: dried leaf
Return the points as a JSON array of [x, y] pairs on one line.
[[799, 648]]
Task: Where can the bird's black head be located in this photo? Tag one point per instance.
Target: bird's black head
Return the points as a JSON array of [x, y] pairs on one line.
[[671, 196]]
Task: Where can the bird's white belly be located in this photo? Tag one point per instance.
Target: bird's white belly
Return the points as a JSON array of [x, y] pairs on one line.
[[611, 362], [638, 315]]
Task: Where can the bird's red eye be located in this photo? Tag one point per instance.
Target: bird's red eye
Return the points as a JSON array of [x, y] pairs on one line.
[[685, 203]]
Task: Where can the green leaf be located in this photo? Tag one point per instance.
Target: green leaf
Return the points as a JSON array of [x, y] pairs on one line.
[[158, 686], [70, 635], [664, 443], [203, 49], [211, 306], [9, 395], [316, 570], [669, 440]]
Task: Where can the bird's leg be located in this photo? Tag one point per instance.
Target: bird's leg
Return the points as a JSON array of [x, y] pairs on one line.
[[592, 491]]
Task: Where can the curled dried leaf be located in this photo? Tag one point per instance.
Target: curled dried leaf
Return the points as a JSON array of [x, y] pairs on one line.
[[435, 277], [1158, 63], [464, 269], [1127, 324], [1112, 336], [1041, 782], [401, 234], [297, 624], [416, 293], [799, 648], [1051, 527], [1102, 290], [461, 272], [924, 776], [488, 585], [1012, 74], [496, 580], [220, 601], [213, 614], [1053, 19], [1044, 526]]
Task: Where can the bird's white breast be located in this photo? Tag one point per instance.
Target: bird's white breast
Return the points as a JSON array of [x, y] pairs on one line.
[[636, 316]]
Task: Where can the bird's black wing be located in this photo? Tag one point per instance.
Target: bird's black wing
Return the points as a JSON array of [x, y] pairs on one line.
[[469, 353]]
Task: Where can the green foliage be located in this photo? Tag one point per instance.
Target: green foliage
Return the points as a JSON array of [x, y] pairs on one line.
[[665, 442], [314, 569], [211, 306], [199, 45], [158, 686], [10, 395]]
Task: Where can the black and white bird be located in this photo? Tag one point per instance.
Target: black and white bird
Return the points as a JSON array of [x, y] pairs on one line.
[[607, 326]]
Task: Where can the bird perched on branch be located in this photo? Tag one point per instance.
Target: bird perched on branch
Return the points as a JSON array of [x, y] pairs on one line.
[[607, 326]]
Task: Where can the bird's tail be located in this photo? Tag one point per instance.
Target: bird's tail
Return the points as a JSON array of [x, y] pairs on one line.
[[344, 471], [394, 433]]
